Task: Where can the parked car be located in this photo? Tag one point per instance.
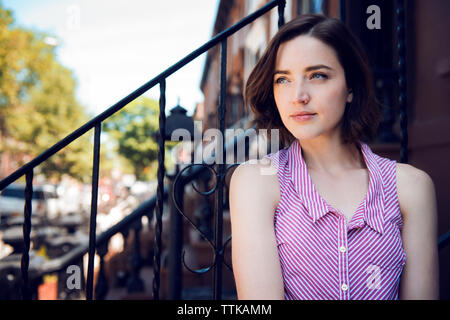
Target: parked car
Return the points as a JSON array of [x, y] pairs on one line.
[[44, 202]]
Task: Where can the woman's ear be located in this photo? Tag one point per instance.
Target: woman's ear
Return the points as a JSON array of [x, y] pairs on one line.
[[350, 96]]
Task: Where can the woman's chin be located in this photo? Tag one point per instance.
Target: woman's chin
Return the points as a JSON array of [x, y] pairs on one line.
[[303, 136]]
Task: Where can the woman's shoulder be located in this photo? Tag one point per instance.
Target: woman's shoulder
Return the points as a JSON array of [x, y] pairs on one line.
[[414, 187], [256, 170], [411, 177], [258, 180]]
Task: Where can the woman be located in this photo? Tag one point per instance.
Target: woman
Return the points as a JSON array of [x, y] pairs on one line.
[[335, 220]]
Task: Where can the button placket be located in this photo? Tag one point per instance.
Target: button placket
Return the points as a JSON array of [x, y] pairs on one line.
[[343, 259]]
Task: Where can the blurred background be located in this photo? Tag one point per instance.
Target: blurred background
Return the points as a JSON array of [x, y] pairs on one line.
[[64, 62]]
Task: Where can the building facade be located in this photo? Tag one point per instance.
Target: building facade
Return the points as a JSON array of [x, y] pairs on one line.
[[427, 69]]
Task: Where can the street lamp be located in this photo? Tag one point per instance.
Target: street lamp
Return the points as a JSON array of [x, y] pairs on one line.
[[176, 120]]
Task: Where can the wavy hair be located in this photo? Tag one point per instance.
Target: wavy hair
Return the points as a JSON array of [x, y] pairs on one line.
[[361, 117]]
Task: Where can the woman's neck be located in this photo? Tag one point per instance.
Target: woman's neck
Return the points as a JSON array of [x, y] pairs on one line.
[[330, 156]]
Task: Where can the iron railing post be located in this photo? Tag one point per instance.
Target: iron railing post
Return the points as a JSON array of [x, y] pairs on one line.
[[176, 240], [26, 295], [101, 287], [220, 158], [160, 189], [135, 282], [93, 219], [342, 10], [281, 7]]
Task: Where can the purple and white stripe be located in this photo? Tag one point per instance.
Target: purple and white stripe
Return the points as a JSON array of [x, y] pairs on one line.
[[322, 257]]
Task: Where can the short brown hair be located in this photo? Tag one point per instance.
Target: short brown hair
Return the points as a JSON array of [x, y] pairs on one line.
[[361, 116]]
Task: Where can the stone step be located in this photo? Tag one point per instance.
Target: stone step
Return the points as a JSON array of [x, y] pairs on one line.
[[194, 287]]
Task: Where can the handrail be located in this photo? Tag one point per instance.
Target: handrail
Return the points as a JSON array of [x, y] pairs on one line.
[[78, 252], [144, 208], [135, 94]]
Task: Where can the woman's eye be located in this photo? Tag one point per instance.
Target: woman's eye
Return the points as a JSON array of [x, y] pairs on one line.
[[319, 76], [281, 80]]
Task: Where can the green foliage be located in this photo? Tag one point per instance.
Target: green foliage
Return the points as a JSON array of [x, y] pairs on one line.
[[134, 130], [23, 57], [37, 103], [38, 108]]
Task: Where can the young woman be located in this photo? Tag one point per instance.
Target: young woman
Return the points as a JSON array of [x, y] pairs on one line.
[[335, 220]]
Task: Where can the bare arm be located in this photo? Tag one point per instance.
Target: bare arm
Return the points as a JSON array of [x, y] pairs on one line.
[[256, 265], [420, 278]]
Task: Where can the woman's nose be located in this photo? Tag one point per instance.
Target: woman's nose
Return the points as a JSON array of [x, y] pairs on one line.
[[301, 93]]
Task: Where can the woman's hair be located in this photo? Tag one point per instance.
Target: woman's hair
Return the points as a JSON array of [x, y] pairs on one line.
[[361, 116]]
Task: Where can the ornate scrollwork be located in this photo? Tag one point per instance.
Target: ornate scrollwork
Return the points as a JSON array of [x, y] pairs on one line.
[[217, 251]]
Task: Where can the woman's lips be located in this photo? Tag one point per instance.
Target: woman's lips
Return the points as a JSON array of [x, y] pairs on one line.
[[303, 117]]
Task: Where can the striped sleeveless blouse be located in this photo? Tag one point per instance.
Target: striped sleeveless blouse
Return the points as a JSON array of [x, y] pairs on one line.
[[322, 256]]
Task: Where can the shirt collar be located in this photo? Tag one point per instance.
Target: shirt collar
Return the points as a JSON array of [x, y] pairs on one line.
[[317, 206], [374, 203]]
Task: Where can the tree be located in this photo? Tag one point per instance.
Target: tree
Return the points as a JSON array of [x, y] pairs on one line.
[[51, 113], [134, 129], [23, 56], [37, 102]]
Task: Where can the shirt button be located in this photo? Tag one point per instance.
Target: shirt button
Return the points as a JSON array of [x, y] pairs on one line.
[[344, 287], [342, 249]]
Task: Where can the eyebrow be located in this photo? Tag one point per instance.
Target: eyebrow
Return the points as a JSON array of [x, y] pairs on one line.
[[307, 69]]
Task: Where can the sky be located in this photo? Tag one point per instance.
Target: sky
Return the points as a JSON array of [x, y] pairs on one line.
[[115, 46]]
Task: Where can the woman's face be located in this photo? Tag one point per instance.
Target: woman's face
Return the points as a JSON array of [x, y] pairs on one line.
[[309, 78]]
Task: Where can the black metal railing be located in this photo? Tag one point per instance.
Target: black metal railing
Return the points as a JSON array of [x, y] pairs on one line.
[[132, 222], [96, 123], [155, 204], [74, 257]]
